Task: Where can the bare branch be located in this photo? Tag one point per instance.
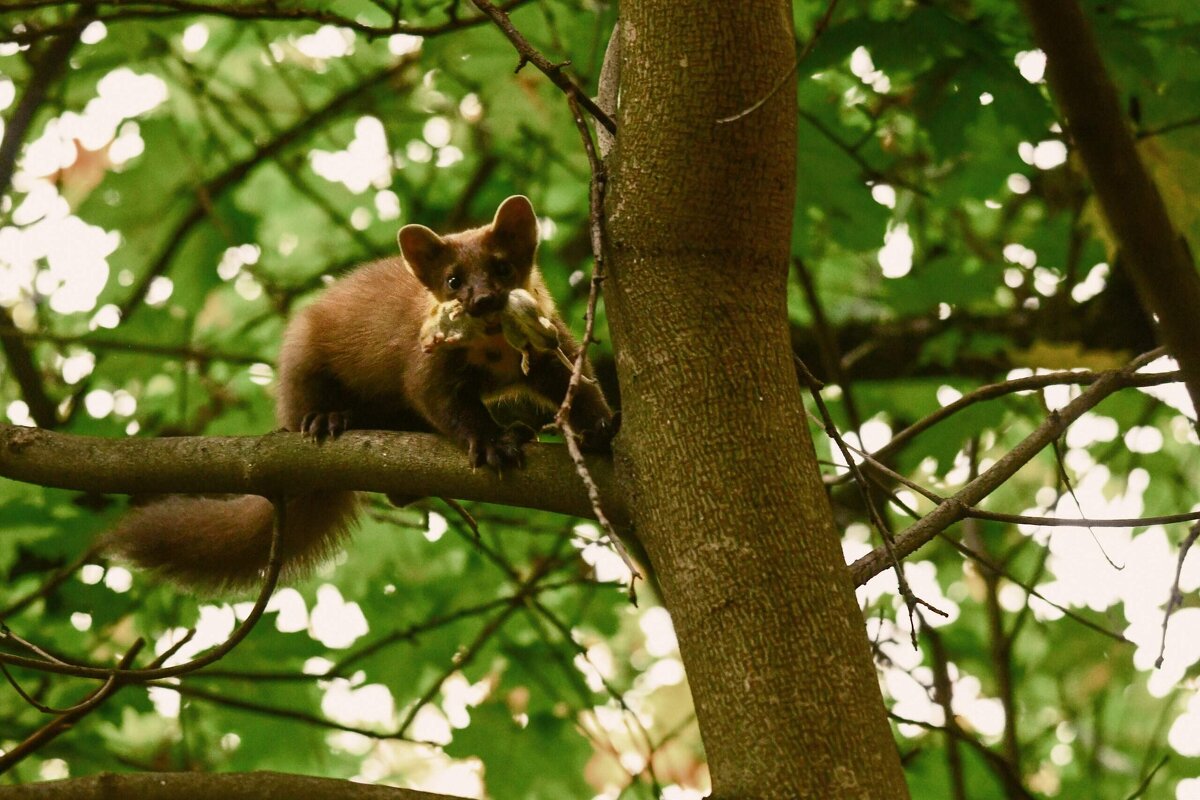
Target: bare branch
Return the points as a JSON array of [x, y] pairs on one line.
[[911, 601], [994, 390], [974, 512], [209, 786], [563, 416], [405, 464], [465, 655], [1148, 243], [154, 10], [954, 508], [821, 25], [554, 72], [1175, 599], [122, 674], [56, 727], [943, 693]]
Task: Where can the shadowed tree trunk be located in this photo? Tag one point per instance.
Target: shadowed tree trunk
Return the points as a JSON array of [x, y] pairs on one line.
[[715, 456]]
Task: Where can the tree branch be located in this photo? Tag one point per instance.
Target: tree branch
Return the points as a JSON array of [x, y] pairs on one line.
[[63, 723], [154, 10], [554, 72], [955, 508], [406, 464], [208, 786], [1154, 251]]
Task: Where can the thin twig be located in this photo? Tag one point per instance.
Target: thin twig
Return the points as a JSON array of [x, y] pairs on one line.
[[1065, 477], [1175, 600], [274, 711], [1179, 124], [56, 727], [851, 151], [173, 9], [1004, 771], [820, 27], [995, 390], [457, 508], [124, 675], [554, 72], [467, 654], [831, 357], [1030, 589], [911, 601], [1000, 642], [999, 570], [943, 693], [1145, 784], [563, 417], [6, 634], [344, 666], [91, 342], [974, 512], [954, 508], [47, 588], [45, 709]]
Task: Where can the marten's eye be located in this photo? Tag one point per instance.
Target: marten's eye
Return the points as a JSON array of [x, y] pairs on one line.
[[454, 282]]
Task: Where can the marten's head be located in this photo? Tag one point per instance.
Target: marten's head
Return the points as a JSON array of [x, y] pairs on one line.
[[478, 267]]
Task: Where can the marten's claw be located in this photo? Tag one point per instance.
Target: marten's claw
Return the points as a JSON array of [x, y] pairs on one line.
[[500, 452], [321, 424], [598, 438]]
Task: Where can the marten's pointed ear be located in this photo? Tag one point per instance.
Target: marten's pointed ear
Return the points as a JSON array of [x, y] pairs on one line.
[[424, 252], [515, 227]]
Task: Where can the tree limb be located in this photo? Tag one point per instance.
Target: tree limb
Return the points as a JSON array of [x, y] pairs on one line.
[[206, 786], [157, 10], [1154, 251], [406, 464], [554, 72], [954, 508]]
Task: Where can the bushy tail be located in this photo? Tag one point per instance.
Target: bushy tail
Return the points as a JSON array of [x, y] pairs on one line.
[[212, 545]]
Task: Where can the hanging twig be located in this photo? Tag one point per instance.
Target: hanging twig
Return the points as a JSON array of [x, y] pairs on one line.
[[911, 601], [154, 672], [563, 417], [1175, 600], [530, 55]]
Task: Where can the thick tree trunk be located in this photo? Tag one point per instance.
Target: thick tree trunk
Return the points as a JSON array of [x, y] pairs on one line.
[[715, 456]]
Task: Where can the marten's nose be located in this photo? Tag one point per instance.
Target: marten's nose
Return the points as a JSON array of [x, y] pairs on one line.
[[485, 303]]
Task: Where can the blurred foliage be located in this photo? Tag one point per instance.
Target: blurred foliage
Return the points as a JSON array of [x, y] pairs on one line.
[[917, 128]]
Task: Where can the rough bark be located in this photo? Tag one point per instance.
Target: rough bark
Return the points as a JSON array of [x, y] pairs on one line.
[[400, 464], [203, 786], [1155, 253], [714, 457]]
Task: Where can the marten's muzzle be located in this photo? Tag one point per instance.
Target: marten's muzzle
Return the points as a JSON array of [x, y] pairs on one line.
[[486, 303]]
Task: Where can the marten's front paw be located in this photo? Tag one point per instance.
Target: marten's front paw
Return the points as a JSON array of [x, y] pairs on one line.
[[598, 438], [322, 424], [499, 451]]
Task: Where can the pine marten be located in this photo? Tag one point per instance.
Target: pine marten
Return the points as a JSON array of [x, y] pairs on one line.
[[353, 359]]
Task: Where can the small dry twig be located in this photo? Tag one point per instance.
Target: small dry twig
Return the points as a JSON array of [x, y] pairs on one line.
[[911, 601], [563, 417], [1176, 598]]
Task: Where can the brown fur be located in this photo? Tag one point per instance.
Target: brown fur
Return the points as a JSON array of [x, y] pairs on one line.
[[354, 359], [214, 545]]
